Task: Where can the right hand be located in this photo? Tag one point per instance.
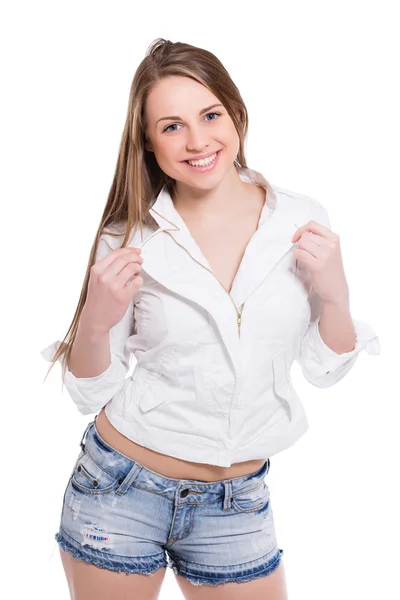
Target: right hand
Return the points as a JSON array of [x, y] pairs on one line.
[[108, 295]]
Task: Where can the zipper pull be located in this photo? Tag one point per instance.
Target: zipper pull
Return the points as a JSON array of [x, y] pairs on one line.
[[239, 318]]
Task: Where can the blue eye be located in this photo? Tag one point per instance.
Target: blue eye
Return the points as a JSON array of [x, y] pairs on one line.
[[168, 130], [212, 113]]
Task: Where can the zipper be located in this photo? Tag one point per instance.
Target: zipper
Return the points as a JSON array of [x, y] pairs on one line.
[[238, 310], [239, 318]]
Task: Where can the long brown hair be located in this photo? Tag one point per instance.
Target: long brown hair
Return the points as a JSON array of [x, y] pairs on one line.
[[138, 178]]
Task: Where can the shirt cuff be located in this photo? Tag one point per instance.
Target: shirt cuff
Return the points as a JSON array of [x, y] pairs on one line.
[[90, 394], [366, 339], [49, 352]]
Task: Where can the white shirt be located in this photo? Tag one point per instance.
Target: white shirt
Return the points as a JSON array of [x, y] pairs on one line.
[[212, 381]]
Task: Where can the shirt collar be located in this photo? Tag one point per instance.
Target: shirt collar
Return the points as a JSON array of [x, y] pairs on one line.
[[168, 218]]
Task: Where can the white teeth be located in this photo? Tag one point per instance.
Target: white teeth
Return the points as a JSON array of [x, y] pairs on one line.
[[204, 162]]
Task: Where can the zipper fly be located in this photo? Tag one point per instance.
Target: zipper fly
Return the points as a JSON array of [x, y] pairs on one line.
[[238, 310]]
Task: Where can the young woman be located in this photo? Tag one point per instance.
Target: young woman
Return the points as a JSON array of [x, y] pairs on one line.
[[216, 281]]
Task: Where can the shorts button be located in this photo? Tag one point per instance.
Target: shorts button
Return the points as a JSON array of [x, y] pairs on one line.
[[120, 480], [95, 483], [184, 493], [79, 469]]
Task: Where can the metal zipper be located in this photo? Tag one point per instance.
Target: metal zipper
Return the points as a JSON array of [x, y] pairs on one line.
[[238, 310]]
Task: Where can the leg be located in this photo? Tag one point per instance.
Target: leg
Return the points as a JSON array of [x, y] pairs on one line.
[[89, 582], [271, 587]]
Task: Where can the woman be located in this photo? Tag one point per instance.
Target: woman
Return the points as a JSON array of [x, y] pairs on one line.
[[227, 280]]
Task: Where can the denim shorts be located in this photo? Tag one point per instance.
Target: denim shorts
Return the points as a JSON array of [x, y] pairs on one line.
[[120, 515]]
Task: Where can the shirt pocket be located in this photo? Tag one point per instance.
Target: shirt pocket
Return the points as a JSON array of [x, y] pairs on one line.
[[283, 386], [151, 380]]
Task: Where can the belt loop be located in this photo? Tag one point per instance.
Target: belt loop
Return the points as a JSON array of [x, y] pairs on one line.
[[84, 434], [228, 494], [127, 480]]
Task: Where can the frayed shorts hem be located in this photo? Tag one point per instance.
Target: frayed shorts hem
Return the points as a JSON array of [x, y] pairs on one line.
[[247, 573], [145, 565], [152, 563]]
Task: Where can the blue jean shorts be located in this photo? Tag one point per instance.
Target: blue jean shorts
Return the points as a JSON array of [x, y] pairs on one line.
[[120, 515]]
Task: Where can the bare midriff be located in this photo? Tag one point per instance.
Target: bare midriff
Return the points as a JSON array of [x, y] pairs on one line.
[[169, 466]]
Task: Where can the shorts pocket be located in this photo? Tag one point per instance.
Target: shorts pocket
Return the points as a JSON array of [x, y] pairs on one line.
[[88, 477], [251, 499], [81, 453]]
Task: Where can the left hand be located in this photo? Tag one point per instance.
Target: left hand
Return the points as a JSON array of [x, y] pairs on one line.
[[319, 249]]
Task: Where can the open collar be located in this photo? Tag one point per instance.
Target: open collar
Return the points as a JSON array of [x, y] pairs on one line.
[[268, 244], [172, 258], [167, 217]]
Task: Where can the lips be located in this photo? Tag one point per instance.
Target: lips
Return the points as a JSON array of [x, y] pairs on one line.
[[208, 156]]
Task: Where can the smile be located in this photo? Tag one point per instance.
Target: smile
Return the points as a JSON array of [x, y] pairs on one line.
[[204, 165]]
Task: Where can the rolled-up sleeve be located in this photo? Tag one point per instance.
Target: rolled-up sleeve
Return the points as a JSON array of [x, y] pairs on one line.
[[90, 394], [322, 366]]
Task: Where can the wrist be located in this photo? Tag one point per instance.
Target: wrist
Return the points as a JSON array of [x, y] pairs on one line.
[[340, 304], [90, 328]]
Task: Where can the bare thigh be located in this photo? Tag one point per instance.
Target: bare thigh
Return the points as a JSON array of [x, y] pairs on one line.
[[270, 587], [89, 582]]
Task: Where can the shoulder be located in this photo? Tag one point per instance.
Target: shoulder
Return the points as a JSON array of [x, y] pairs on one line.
[[301, 206]]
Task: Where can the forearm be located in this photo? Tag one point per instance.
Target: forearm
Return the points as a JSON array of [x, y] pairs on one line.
[[90, 354], [336, 327]]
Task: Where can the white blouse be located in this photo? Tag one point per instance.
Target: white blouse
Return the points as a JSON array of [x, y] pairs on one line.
[[212, 379]]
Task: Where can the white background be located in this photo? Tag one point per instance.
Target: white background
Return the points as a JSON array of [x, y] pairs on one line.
[[320, 83]]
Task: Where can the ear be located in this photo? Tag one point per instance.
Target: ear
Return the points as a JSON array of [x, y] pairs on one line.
[[148, 145]]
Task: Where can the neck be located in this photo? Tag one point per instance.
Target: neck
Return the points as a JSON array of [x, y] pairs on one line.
[[217, 201]]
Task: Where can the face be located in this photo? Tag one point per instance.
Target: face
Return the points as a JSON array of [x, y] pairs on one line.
[[178, 129]]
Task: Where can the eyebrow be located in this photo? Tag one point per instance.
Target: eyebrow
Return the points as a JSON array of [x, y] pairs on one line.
[[174, 117]]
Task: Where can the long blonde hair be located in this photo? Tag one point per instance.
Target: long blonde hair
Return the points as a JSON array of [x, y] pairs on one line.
[[138, 178]]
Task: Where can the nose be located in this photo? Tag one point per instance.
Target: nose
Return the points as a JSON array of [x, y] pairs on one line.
[[196, 140]]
